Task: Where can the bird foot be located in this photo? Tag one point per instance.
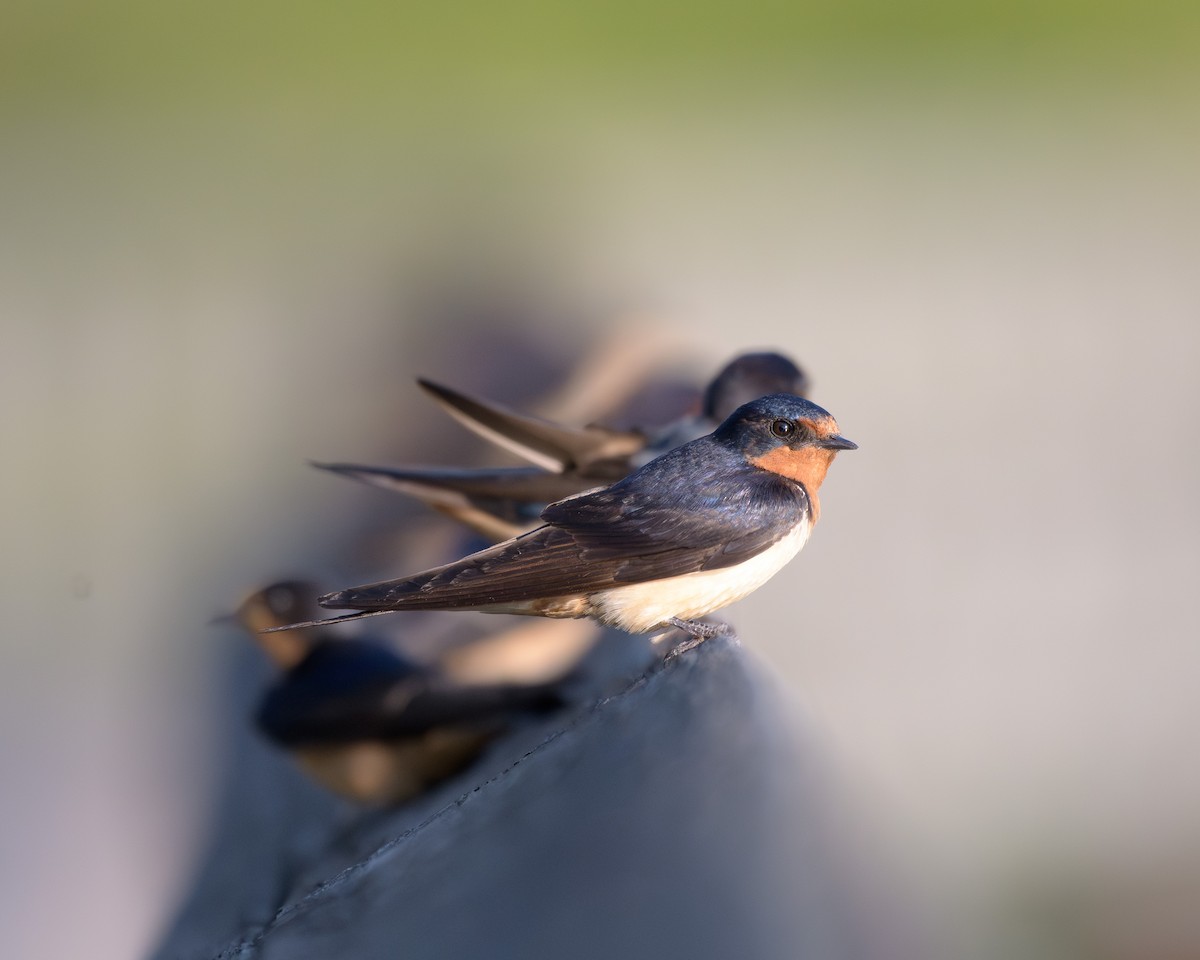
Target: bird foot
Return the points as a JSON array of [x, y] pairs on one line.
[[697, 632]]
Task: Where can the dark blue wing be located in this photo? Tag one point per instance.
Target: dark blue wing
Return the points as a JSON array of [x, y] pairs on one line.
[[699, 507]]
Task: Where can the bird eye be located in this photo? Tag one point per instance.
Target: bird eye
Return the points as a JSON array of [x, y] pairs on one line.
[[783, 428]]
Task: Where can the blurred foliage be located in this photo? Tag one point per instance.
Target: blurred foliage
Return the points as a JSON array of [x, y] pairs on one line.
[[376, 54]]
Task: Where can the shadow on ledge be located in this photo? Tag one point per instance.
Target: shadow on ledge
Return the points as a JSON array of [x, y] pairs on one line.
[[677, 818]]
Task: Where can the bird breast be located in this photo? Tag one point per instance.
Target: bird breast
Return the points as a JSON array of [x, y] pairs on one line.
[[642, 607]]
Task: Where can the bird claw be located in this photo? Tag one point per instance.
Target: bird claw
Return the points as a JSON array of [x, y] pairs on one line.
[[697, 632]]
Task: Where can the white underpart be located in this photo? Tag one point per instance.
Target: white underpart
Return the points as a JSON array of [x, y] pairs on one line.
[[641, 607]]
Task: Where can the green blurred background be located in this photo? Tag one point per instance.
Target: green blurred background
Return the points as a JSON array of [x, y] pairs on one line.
[[230, 235]]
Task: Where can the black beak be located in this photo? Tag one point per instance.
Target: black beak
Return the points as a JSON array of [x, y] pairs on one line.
[[838, 442]]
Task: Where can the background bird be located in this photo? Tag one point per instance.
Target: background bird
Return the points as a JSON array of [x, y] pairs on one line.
[[500, 503], [364, 721]]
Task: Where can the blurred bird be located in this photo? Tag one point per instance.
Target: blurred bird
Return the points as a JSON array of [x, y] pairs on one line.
[[505, 502], [696, 529], [362, 720]]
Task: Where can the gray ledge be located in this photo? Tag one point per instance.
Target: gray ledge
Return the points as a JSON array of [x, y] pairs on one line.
[[677, 817]]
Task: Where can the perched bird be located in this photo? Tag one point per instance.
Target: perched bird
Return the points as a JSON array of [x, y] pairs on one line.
[[504, 502], [699, 527], [362, 720]]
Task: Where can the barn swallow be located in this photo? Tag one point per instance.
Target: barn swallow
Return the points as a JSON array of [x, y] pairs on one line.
[[505, 502], [364, 721], [698, 528]]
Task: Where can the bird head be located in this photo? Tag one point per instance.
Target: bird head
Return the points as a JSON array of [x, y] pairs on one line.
[[748, 376], [786, 435], [284, 602]]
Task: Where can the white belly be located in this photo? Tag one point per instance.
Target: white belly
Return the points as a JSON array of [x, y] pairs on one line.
[[641, 607]]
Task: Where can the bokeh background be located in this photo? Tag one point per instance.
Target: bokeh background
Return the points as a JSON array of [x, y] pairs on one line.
[[231, 235]]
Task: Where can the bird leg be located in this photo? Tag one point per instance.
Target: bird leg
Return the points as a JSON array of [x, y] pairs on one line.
[[697, 632]]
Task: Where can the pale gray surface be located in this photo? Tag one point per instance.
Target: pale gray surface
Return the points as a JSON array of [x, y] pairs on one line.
[[675, 818]]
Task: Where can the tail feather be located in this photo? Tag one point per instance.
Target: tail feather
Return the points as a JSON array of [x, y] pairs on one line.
[[551, 446], [449, 487], [322, 623]]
